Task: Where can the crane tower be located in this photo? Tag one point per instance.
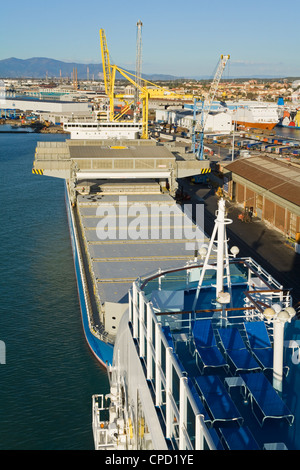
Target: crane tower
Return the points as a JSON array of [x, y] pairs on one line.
[[138, 65], [206, 105]]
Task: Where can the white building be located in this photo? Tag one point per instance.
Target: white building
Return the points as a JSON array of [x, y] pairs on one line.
[[52, 110], [216, 121]]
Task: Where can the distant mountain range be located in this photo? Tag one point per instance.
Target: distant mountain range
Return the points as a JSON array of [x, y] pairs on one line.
[[41, 67]]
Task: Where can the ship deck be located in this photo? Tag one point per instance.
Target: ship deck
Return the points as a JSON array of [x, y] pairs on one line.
[[119, 245], [177, 320]]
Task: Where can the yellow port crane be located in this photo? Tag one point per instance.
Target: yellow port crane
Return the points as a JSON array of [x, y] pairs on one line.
[[109, 74]]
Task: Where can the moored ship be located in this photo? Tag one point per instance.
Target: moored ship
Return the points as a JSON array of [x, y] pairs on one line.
[[200, 360], [103, 130], [107, 182], [168, 318], [254, 114], [289, 115]]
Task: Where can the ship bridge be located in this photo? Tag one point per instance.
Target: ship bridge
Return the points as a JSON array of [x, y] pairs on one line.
[[88, 160]]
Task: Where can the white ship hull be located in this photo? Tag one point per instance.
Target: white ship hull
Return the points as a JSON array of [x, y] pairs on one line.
[[254, 114], [103, 130]]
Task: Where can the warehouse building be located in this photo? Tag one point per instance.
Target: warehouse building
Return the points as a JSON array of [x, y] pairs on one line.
[[268, 186], [215, 122], [56, 111]]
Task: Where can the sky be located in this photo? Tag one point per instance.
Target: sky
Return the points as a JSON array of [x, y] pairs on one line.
[[184, 39]]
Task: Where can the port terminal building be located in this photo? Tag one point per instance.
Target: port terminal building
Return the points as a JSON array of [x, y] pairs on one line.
[[271, 187], [56, 111]]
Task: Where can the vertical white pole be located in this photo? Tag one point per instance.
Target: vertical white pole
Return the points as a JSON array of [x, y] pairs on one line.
[[142, 325], [135, 310], [158, 336], [130, 305], [182, 412], [220, 247], [168, 392], [149, 342], [205, 264], [199, 438], [278, 354]]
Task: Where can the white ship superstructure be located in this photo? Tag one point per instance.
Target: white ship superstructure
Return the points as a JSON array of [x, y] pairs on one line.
[[198, 359], [103, 130], [254, 114]]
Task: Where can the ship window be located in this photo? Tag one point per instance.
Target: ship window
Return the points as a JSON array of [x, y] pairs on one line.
[[190, 425], [163, 358], [153, 334], [175, 386], [153, 371]]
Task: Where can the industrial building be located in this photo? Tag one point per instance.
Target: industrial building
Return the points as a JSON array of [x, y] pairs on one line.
[[215, 122], [56, 111], [269, 186]]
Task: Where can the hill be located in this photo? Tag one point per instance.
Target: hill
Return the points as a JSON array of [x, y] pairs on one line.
[[40, 67]]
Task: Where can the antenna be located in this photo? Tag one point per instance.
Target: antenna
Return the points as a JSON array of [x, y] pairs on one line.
[[138, 64]]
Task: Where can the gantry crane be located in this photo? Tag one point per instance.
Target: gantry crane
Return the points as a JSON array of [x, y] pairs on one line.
[[206, 106], [109, 73], [138, 67]]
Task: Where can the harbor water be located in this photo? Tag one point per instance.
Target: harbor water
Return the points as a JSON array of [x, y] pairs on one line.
[[49, 374]]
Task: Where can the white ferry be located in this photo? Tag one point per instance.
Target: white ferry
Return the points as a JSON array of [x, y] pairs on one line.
[[254, 114], [103, 130], [200, 360]]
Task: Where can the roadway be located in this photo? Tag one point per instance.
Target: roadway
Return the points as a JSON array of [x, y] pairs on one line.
[[256, 239]]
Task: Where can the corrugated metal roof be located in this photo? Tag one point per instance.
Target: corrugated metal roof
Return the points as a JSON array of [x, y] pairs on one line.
[[278, 177], [95, 151]]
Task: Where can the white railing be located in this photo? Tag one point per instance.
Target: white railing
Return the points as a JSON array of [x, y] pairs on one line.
[[102, 437], [184, 423]]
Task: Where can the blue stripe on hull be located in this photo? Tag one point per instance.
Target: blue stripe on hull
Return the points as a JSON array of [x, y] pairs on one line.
[[102, 351]]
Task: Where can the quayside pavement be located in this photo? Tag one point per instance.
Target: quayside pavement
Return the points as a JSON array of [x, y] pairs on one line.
[[255, 239]]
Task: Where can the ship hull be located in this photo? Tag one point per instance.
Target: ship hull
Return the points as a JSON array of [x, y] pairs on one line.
[[288, 127], [101, 350], [257, 125]]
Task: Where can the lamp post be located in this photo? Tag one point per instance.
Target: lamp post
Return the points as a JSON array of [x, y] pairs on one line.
[[279, 317]]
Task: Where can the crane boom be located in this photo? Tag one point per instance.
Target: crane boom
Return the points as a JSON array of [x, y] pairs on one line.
[[216, 81], [105, 62], [108, 76], [206, 105], [144, 92]]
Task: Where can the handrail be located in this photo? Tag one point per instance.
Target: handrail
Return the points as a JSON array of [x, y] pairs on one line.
[[209, 310], [234, 261]]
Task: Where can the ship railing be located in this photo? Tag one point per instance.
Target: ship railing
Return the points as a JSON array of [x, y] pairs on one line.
[[252, 270], [184, 423], [93, 328]]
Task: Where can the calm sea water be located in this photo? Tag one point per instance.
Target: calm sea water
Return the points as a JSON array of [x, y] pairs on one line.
[[50, 374]]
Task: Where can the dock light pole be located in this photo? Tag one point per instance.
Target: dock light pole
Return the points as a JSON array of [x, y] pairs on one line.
[[232, 152], [280, 318]]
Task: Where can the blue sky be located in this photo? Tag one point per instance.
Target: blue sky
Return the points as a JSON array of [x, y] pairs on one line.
[[179, 38]]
